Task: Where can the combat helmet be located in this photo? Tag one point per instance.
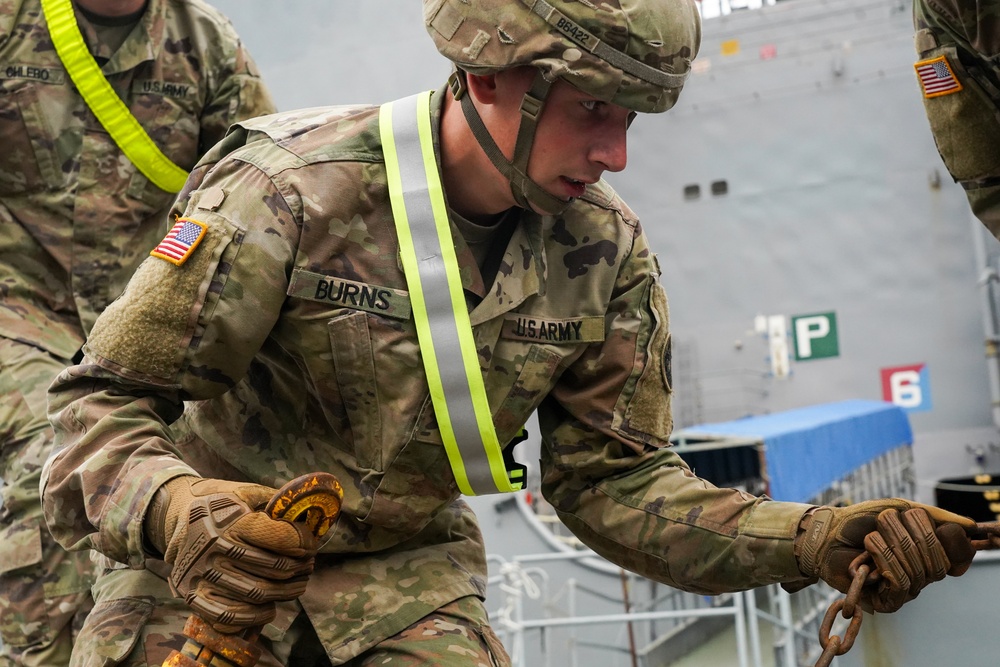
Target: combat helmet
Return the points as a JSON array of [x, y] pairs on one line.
[[633, 53]]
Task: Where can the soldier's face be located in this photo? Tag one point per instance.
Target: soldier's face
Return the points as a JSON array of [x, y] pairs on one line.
[[578, 138]]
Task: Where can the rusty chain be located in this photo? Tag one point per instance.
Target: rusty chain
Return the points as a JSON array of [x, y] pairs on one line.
[[849, 607]]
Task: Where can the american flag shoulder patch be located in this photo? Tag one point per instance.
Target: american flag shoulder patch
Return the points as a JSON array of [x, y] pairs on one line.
[[180, 241], [937, 77]]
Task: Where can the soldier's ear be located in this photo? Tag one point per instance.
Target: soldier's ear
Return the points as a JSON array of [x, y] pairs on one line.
[[482, 87]]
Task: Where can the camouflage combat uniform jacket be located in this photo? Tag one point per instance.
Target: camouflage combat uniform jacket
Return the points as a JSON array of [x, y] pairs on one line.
[[76, 217], [964, 112], [290, 328]]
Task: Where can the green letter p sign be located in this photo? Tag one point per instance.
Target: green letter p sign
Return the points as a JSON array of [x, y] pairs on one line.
[[815, 336]]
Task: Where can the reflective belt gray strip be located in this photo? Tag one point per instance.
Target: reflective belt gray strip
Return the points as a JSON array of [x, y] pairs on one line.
[[578, 34], [434, 279]]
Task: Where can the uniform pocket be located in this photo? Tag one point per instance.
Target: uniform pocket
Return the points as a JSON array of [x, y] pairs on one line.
[[112, 631], [27, 161], [539, 372], [965, 124], [354, 365], [43, 588], [417, 484], [23, 617], [172, 300], [647, 414], [21, 549], [175, 130]]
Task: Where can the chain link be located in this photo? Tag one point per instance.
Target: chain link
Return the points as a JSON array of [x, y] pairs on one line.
[[849, 607]]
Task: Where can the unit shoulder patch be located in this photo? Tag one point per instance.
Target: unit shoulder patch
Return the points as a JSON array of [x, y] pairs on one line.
[[937, 77], [181, 241]]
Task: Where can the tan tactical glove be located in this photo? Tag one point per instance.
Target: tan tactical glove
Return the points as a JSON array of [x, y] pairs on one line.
[[231, 562], [910, 544]]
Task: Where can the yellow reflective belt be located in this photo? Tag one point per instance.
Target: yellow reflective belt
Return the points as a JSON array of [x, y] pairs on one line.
[[440, 313], [104, 102]]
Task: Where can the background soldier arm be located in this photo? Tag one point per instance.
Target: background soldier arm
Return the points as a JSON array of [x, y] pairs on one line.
[[236, 90]]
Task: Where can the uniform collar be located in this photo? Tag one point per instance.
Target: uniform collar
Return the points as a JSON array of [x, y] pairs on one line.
[[522, 273], [472, 279], [523, 269], [143, 44]]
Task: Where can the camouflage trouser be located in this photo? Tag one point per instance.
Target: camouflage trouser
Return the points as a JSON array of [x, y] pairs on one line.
[[137, 622], [44, 590]]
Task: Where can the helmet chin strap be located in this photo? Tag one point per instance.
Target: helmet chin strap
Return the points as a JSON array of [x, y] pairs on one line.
[[526, 192]]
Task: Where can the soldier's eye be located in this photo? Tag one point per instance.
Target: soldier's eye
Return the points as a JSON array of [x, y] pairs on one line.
[[591, 105]]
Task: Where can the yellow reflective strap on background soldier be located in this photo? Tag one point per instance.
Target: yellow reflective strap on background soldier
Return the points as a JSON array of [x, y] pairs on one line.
[[104, 101]]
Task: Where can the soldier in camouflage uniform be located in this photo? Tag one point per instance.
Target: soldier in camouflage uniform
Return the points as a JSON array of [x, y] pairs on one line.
[[76, 218], [958, 42], [252, 358]]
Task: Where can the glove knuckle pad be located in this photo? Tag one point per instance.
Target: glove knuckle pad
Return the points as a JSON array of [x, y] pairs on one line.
[[894, 573], [231, 614], [931, 551], [231, 563]]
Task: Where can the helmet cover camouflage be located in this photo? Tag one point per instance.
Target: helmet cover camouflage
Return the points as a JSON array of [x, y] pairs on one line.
[[579, 41]]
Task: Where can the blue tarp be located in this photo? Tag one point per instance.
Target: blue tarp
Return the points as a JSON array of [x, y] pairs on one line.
[[807, 449]]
